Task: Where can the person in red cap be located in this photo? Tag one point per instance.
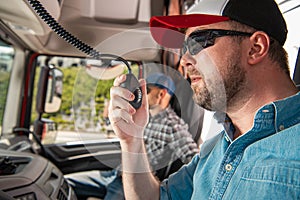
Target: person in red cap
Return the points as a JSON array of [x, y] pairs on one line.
[[233, 52]]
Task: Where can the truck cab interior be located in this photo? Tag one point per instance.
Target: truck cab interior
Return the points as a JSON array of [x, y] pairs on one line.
[[58, 59]]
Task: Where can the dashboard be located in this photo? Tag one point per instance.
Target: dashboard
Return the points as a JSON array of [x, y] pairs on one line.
[[28, 176]]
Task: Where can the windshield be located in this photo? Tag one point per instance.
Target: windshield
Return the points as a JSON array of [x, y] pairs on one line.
[[84, 100]]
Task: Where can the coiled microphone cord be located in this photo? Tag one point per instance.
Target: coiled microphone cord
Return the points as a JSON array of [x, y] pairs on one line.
[[68, 37]]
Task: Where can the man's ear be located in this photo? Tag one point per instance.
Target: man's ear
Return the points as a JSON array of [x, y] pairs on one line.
[[260, 43], [162, 92]]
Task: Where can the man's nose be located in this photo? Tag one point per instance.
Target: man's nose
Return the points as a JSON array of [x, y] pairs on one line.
[[187, 61]]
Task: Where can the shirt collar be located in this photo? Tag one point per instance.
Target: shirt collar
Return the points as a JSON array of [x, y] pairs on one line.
[[287, 112], [277, 115], [161, 114]]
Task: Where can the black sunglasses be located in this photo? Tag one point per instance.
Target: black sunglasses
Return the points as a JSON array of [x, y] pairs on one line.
[[201, 39]]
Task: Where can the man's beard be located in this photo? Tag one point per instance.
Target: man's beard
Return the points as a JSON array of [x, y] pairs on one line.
[[220, 90]]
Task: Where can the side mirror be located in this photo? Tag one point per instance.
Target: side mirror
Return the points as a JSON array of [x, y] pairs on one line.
[[48, 100], [49, 90], [54, 91]]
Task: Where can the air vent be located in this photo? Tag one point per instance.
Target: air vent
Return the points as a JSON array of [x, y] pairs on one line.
[[64, 191], [61, 195], [65, 187]]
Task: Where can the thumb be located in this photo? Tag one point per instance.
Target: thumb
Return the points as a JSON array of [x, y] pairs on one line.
[[144, 92]]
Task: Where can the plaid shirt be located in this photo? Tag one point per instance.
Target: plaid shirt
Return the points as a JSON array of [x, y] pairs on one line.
[[167, 138]]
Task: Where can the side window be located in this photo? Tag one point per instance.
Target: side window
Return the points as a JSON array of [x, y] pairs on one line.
[[85, 96], [6, 61]]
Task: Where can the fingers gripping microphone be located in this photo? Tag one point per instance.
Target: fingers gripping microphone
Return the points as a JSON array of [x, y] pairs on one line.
[[132, 84]]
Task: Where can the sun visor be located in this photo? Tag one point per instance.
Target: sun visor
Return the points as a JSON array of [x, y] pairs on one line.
[[103, 71], [21, 17]]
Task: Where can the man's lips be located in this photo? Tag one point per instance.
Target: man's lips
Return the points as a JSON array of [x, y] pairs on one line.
[[195, 79]]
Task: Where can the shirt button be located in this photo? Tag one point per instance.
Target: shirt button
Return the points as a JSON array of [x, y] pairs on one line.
[[281, 127], [228, 167]]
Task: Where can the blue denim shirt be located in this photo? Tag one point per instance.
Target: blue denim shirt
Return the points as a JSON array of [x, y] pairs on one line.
[[263, 163]]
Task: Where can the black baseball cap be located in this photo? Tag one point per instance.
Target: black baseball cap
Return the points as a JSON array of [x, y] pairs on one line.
[[263, 15]]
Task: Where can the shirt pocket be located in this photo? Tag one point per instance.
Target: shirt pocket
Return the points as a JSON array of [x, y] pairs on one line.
[[269, 182]]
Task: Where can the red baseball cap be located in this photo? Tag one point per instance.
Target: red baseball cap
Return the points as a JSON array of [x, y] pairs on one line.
[[262, 15]]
